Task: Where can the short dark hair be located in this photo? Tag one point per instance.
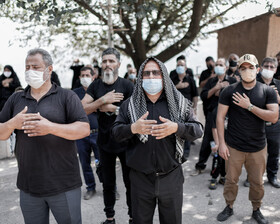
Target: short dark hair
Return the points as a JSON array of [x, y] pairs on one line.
[[111, 50], [209, 58], [181, 57], [87, 68], [270, 60]]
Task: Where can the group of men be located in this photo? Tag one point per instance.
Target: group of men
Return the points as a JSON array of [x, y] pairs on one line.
[[147, 125]]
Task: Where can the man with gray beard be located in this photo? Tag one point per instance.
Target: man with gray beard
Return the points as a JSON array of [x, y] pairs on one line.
[[105, 96]]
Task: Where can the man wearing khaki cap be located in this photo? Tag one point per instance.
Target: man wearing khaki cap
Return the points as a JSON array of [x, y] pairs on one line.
[[248, 104]]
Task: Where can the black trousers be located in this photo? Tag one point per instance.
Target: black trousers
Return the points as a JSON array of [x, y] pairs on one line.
[[108, 161], [273, 146], [166, 191], [205, 149]]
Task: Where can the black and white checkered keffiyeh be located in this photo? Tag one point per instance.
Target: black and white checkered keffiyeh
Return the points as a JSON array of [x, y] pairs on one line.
[[178, 105]]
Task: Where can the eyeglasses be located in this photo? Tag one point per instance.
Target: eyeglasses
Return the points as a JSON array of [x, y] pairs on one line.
[[154, 72], [269, 66]]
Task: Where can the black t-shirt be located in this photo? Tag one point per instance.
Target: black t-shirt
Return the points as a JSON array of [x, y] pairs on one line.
[[246, 131], [48, 165], [190, 91], [98, 89]]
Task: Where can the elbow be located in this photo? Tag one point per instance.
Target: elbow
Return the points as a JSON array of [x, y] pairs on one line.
[[275, 120], [4, 138], [84, 131]]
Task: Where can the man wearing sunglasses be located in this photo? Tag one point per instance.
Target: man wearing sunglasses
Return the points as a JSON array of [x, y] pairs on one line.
[[155, 121], [268, 69]]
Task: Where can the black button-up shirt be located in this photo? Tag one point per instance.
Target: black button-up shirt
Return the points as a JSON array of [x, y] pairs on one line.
[[155, 155]]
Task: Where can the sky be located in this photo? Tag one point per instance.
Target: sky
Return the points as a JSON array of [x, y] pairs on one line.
[[15, 55]]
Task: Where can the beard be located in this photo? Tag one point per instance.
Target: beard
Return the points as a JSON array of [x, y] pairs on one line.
[[109, 77]]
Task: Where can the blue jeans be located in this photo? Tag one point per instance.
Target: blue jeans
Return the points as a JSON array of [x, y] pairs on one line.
[[85, 147], [65, 207]]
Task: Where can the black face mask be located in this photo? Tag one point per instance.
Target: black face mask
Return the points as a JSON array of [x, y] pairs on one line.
[[210, 67], [232, 63]]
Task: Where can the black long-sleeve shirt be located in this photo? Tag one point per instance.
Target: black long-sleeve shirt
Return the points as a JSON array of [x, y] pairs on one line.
[[154, 155]]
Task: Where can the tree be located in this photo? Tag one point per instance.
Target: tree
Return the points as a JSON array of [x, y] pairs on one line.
[[163, 28]]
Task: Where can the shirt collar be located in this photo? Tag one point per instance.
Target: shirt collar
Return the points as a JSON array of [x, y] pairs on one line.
[[52, 90]]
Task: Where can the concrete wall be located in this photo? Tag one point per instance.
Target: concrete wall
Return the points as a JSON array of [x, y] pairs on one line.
[[249, 36], [273, 46]]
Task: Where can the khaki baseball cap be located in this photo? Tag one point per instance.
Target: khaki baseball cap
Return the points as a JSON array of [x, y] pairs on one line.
[[249, 58]]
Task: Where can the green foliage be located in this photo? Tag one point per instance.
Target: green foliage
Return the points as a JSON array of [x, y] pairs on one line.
[[141, 27]]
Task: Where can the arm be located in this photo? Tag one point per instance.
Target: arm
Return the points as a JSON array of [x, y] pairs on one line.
[[122, 128], [16, 122], [190, 130], [216, 140], [203, 83], [90, 105], [37, 125], [221, 115], [271, 113]]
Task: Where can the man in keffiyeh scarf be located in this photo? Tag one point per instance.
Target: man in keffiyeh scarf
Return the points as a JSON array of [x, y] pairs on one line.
[[154, 122]]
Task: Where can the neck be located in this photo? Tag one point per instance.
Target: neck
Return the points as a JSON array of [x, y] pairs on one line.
[[155, 97], [267, 81], [249, 85], [221, 77], [85, 88], [181, 76], [38, 93]]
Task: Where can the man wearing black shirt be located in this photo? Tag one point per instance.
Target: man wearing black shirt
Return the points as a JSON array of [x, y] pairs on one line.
[[208, 73], [210, 94], [248, 104], [105, 96], [154, 122], [47, 120], [272, 131], [174, 74], [187, 87], [232, 63]]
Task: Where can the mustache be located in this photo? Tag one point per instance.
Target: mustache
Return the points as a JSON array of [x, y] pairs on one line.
[[108, 68]]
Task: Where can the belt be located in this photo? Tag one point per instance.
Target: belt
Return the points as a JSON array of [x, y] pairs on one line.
[[270, 123], [162, 174], [92, 131]]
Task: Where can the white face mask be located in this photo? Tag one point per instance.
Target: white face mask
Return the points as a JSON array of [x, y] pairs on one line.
[[248, 75], [86, 81], [267, 74], [7, 74], [219, 70], [35, 78]]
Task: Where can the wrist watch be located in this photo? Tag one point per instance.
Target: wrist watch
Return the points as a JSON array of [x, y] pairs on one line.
[[250, 107], [117, 111]]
